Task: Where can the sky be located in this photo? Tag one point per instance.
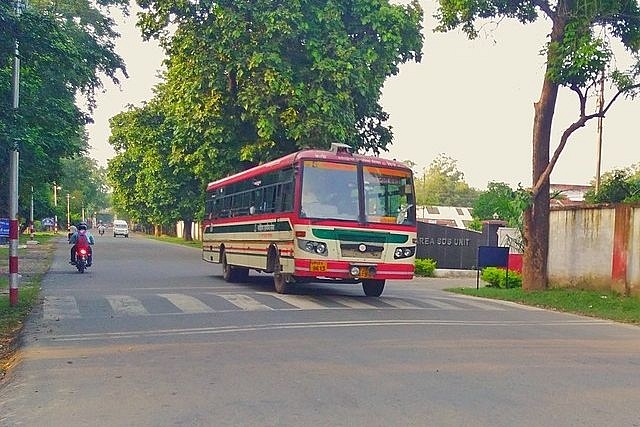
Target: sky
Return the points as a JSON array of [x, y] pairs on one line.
[[471, 100]]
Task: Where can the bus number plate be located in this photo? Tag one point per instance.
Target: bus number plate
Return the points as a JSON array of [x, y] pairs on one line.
[[320, 266], [364, 273]]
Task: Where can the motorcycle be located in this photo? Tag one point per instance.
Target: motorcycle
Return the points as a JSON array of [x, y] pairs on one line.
[[101, 229], [82, 257]]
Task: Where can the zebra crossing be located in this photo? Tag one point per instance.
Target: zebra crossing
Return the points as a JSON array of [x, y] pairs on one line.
[[69, 307]]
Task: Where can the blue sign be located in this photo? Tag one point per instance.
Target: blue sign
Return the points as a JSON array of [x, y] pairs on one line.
[[47, 222], [4, 227]]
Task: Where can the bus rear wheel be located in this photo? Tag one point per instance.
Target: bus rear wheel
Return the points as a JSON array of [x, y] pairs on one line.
[[233, 274], [372, 287]]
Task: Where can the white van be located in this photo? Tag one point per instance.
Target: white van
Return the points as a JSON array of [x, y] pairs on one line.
[[120, 228]]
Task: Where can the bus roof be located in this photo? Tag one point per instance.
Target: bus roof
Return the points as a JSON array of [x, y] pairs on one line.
[[309, 154]]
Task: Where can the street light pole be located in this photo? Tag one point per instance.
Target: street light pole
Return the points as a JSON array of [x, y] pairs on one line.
[[55, 204], [31, 230], [13, 177], [68, 216]]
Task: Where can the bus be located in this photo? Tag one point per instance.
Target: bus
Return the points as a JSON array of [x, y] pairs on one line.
[[321, 216]]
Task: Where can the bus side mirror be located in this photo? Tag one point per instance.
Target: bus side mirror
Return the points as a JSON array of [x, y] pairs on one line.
[[402, 214]]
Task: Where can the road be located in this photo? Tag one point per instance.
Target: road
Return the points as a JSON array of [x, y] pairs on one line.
[[152, 336]]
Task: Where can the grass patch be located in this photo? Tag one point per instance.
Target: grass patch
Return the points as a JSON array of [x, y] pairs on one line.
[[33, 263], [11, 317], [177, 240], [603, 305]]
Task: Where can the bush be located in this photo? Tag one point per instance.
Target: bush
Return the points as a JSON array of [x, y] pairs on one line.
[[425, 267], [497, 278]]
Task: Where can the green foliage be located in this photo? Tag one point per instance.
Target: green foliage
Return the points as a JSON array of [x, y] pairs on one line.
[[501, 201], [501, 278], [425, 267], [251, 81], [65, 47], [149, 185], [85, 182], [442, 184], [618, 186]]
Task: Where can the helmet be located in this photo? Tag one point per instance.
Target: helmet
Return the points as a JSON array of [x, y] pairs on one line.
[[82, 226]]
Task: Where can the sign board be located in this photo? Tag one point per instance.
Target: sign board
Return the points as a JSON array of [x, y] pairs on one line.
[[47, 222], [4, 227], [492, 256]]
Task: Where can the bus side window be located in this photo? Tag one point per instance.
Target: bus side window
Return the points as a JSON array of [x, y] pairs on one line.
[[225, 212], [287, 196]]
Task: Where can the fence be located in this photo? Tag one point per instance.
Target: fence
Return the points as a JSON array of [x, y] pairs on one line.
[[596, 247]]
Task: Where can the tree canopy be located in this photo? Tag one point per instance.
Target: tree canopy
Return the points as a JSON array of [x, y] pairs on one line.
[[443, 184], [579, 53], [65, 48], [247, 82], [617, 186]]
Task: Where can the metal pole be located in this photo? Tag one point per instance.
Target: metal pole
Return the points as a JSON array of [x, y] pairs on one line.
[[55, 204], [68, 216], [31, 230], [599, 148], [14, 277]]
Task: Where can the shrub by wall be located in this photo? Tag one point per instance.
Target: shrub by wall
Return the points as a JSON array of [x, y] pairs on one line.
[[425, 267], [497, 278]]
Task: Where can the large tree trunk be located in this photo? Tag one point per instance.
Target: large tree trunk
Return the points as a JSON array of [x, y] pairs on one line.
[[536, 217], [186, 232]]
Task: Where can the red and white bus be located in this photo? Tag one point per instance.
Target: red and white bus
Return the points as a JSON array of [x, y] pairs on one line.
[[314, 216]]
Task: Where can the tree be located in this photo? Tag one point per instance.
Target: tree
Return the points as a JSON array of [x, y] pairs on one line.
[[83, 179], [251, 81], [578, 56], [65, 48], [618, 186], [442, 184], [502, 201], [150, 184]]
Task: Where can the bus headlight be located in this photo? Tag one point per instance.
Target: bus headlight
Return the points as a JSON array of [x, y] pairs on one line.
[[404, 252], [313, 247]]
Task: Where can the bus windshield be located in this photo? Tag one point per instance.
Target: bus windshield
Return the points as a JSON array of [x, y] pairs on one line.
[[388, 195], [332, 190]]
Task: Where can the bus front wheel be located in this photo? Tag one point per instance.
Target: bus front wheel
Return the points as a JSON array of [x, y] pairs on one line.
[[373, 288], [282, 281]]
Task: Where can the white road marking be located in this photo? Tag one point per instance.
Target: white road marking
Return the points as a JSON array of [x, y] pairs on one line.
[[480, 304], [58, 308], [441, 305], [125, 304], [187, 304], [244, 302], [110, 336], [352, 302], [300, 301], [399, 303]]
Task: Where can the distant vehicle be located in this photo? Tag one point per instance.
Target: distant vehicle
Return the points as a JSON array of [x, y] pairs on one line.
[[362, 230], [120, 228]]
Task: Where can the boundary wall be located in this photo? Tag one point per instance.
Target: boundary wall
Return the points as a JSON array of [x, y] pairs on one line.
[[595, 247]]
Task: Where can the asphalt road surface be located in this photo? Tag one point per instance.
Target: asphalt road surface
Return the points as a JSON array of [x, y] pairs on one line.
[[152, 336]]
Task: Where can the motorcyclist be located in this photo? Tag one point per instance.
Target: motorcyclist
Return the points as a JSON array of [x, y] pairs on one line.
[[101, 228], [82, 236], [72, 230]]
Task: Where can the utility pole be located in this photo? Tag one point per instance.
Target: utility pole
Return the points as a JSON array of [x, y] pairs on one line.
[[13, 176], [599, 147], [55, 204], [31, 229]]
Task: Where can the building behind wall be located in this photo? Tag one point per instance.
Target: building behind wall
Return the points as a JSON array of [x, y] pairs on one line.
[[451, 216]]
